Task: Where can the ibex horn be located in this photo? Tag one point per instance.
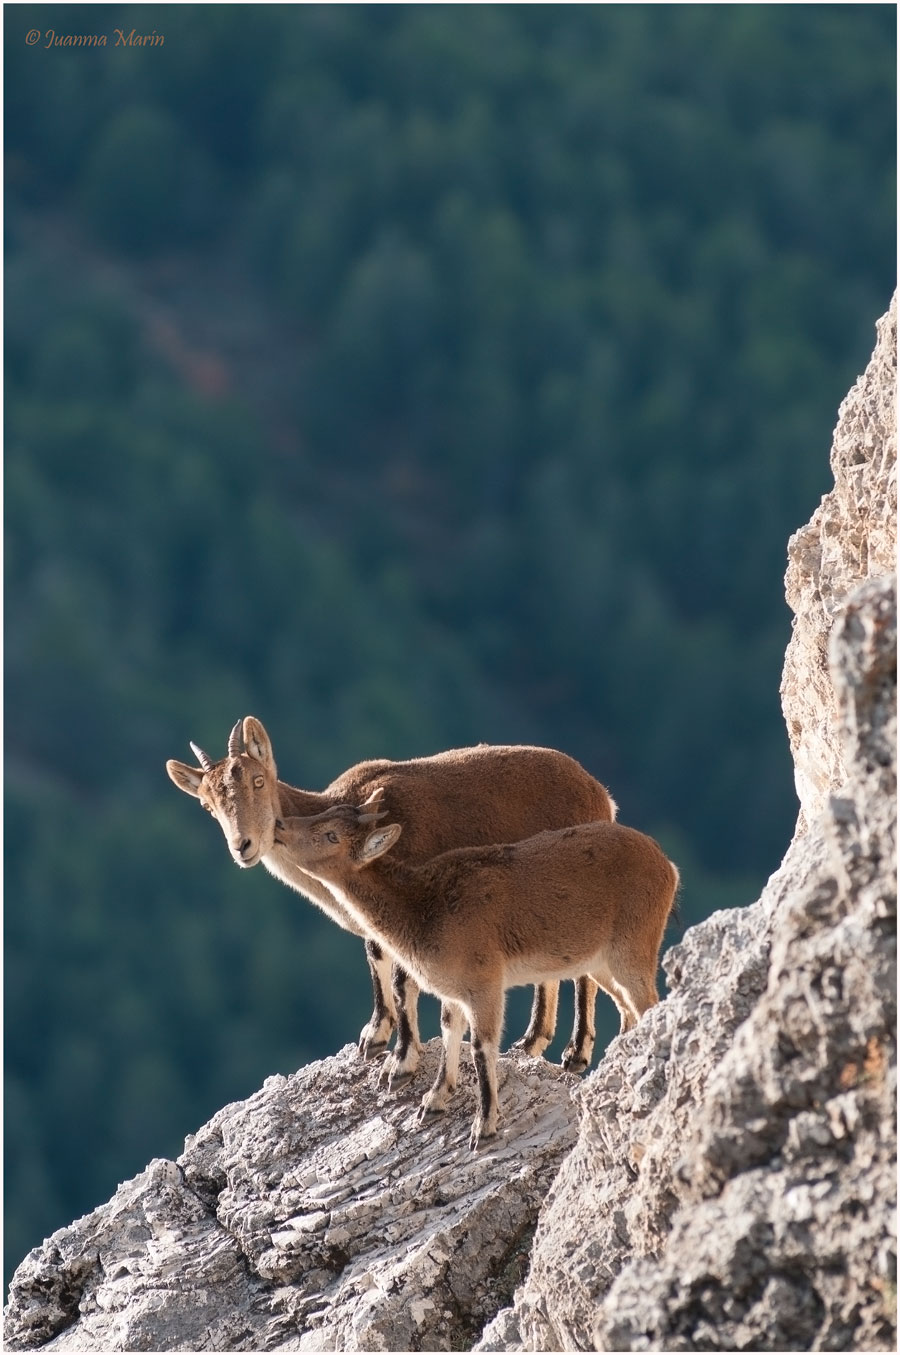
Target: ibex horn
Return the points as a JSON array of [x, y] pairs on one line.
[[236, 740], [371, 805], [203, 758]]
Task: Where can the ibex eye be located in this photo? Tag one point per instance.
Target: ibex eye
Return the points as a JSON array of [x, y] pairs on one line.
[[332, 837], [259, 782]]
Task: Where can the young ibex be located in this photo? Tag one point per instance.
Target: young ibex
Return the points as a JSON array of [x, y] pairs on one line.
[[466, 797], [592, 899]]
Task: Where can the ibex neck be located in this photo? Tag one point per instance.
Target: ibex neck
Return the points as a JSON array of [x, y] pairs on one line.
[[296, 803], [384, 898]]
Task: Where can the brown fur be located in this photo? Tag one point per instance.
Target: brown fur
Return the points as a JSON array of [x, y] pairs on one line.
[[465, 797], [592, 899]]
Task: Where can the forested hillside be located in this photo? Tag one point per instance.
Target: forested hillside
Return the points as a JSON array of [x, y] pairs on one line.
[[406, 376]]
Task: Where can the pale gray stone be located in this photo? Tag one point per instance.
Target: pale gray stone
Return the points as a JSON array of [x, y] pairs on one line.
[[733, 1184], [317, 1215], [851, 537]]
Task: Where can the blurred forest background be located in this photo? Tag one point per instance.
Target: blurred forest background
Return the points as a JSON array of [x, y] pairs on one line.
[[406, 376]]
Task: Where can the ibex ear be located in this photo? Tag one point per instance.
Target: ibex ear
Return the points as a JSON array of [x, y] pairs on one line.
[[186, 778], [379, 841], [257, 742]]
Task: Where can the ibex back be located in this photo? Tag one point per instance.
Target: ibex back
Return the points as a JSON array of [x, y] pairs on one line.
[[465, 797], [592, 899]]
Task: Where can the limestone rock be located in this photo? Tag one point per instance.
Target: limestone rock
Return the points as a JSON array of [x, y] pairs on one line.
[[851, 537], [733, 1184], [317, 1215]]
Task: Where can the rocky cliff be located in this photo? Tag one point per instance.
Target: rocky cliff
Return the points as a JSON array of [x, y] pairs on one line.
[[732, 1187], [317, 1215], [852, 536], [724, 1180]]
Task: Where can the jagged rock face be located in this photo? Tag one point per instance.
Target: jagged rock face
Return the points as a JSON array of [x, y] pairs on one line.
[[317, 1215], [851, 537], [731, 1184]]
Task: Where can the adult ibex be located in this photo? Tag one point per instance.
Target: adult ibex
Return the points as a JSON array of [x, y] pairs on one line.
[[466, 797], [592, 899]]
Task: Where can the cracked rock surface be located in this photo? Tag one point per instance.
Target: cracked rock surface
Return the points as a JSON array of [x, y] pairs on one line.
[[733, 1184], [851, 537], [316, 1215]]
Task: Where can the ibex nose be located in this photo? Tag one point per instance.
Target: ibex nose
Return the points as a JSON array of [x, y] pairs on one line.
[[243, 847]]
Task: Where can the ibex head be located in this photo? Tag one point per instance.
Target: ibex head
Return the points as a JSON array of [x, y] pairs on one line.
[[346, 833], [241, 790]]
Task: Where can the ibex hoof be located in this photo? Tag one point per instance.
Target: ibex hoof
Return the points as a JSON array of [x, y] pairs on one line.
[[479, 1136], [371, 1049], [429, 1111], [573, 1062], [533, 1048], [400, 1068]]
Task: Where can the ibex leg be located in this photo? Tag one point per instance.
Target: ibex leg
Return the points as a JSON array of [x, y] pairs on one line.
[[453, 1023], [404, 1061], [617, 988], [542, 1026], [636, 988], [374, 1036], [486, 1022], [579, 1051]]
